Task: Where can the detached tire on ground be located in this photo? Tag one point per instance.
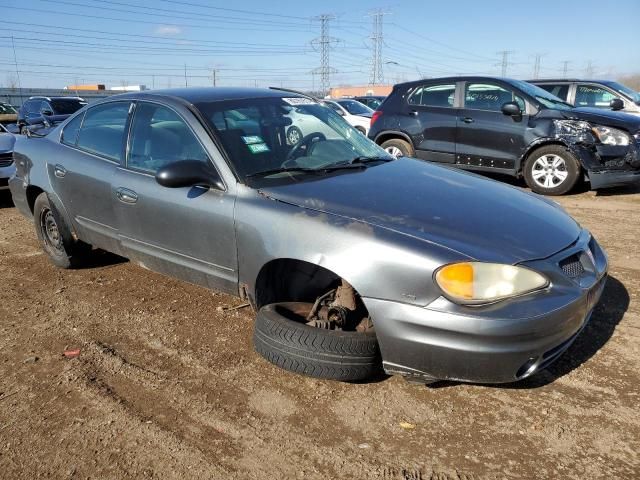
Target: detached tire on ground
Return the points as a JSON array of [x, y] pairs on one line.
[[398, 148], [552, 170], [316, 352]]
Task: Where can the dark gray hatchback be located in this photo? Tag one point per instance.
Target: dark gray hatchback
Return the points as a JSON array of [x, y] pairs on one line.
[[352, 259]]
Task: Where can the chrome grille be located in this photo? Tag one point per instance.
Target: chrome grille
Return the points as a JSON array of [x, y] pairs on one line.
[[572, 266]]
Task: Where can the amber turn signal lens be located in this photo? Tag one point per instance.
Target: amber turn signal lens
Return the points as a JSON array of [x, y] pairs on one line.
[[457, 280]]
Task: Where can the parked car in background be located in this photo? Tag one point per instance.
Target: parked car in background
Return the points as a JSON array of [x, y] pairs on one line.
[[371, 101], [8, 114], [7, 166], [351, 258], [39, 110], [603, 94], [512, 127], [355, 113]]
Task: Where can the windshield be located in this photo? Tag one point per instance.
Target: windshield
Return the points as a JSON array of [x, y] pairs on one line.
[[355, 108], [6, 109], [66, 106], [542, 96], [279, 135], [635, 96]]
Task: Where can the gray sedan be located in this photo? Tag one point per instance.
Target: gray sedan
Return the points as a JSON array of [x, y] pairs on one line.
[[353, 260]]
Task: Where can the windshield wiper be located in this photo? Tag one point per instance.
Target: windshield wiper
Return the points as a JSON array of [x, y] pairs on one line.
[[273, 171], [364, 160]]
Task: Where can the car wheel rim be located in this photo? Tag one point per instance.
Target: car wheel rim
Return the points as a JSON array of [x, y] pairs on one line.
[[50, 231], [549, 171], [294, 136], [395, 151]]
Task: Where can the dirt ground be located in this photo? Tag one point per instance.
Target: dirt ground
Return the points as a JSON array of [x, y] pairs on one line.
[[167, 384]]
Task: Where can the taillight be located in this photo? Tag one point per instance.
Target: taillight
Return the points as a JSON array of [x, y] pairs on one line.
[[376, 115]]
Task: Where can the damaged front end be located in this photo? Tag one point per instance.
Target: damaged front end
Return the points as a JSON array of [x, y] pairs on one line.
[[610, 156]]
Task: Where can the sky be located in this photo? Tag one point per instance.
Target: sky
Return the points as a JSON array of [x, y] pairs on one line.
[[164, 43]]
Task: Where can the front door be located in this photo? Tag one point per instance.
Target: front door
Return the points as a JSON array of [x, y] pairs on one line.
[[91, 149], [430, 120], [187, 233], [486, 137]]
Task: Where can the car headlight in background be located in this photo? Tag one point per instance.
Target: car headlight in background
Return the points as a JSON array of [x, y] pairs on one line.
[[470, 283], [611, 136]]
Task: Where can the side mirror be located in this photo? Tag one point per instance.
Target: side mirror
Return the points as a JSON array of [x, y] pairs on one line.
[[189, 173], [511, 109], [616, 104], [47, 112]]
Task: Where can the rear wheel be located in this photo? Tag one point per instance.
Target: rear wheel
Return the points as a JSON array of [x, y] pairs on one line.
[[551, 170], [55, 236], [398, 148]]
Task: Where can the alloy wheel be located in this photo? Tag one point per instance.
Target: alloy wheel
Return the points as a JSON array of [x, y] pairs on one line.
[[549, 171], [394, 151]]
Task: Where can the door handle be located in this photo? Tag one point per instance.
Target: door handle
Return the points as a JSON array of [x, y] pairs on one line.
[[467, 119], [413, 113], [59, 171], [126, 196]]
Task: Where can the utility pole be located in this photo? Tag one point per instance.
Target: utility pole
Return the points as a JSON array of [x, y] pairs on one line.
[[536, 66], [214, 76], [323, 43], [377, 76], [185, 75], [505, 60], [153, 82], [565, 68]]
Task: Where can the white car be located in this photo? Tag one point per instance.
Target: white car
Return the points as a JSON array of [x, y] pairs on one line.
[[354, 112], [303, 124]]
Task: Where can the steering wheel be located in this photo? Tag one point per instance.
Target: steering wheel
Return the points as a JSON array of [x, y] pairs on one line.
[[304, 142]]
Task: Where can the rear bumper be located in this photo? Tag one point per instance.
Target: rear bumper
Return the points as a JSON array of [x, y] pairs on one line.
[[613, 178]]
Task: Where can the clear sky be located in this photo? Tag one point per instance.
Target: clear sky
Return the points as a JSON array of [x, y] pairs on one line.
[[115, 42]]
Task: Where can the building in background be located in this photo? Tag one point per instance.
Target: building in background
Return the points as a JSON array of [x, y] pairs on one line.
[[382, 90], [84, 88]]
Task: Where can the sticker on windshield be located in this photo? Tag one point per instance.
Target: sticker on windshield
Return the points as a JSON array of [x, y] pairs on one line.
[[299, 101], [252, 139], [258, 148]]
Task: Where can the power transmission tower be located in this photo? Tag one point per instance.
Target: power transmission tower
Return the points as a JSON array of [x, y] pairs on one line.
[[565, 68], [377, 76], [505, 61], [590, 70], [536, 66], [213, 75], [324, 43]]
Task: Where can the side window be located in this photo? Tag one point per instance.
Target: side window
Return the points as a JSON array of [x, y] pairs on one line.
[[560, 91], [159, 136], [103, 130], [45, 107], [434, 96], [484, 96], [70, 131], [592, 96]]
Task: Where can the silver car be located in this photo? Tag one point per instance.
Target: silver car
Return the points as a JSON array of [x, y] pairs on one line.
[[352, 259]]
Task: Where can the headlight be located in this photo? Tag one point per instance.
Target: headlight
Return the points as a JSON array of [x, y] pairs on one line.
[[611, 136], [573, 130], [472, 283]]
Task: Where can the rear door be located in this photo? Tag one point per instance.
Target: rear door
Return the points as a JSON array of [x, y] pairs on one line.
[[81, 175], [430, 118], [594, 96], [487, 138], [187, 233]]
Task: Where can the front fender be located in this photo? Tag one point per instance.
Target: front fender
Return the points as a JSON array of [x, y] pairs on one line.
[[378, 262]]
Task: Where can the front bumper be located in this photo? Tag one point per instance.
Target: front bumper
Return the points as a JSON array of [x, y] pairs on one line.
[[501, 343], [613, 178]]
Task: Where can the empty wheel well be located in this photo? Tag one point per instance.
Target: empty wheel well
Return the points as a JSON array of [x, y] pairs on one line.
[[289, 280], [32, 194]]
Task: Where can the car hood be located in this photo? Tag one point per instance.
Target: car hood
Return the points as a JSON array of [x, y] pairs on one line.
[[479, 218], [7, 141], [610, 118]]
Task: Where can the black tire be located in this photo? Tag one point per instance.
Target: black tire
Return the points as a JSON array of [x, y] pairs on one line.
[[55, 236], [294, 135], [299, 348], [569, 166], [396, 143], [361, 130]]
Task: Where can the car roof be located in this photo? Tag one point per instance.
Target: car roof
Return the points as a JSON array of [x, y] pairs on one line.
[[474, 78], [568, 80], [211, 94], [42, 97]]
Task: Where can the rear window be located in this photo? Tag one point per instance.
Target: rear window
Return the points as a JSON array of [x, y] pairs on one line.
[[434, 95]]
